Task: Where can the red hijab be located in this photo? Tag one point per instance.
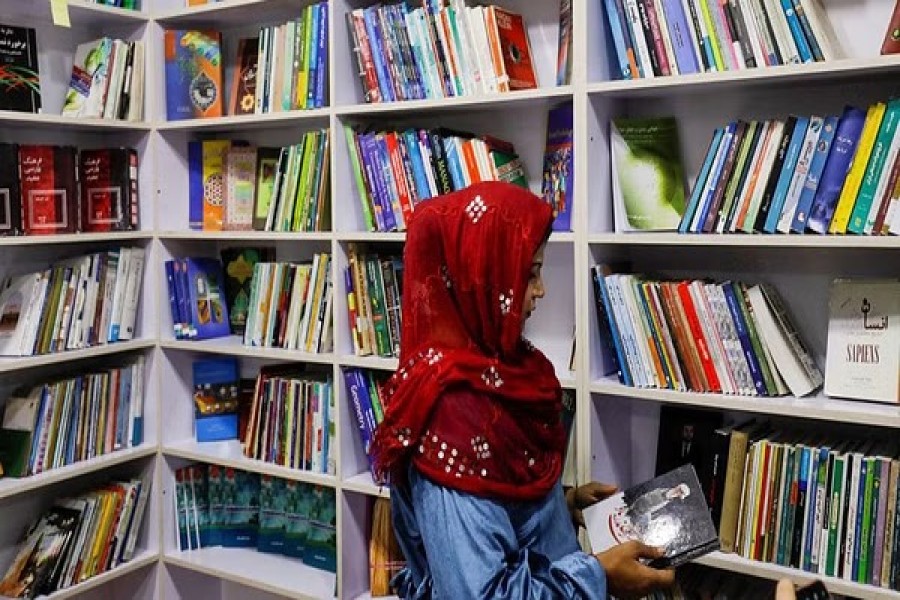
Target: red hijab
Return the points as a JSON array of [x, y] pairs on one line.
[[473, 404]]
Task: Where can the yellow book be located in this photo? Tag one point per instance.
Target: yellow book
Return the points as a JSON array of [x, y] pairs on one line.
[[713, 40], [844, 208], [305, 51], [101, 530], [314, 308], [214, 188]]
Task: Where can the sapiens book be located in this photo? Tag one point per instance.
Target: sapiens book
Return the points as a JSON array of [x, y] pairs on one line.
[[109, 200], [20, 82], [559, 172], [193, 74], [648, 177], [47, 178], [669, 511], [863, 356]]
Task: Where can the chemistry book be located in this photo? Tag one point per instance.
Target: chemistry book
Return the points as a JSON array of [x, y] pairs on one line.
[[668, 511]]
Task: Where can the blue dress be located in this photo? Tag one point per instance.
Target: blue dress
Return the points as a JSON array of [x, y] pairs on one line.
[[482, 548]]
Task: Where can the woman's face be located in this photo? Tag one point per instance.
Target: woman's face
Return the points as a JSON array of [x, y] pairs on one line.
[[535, 287]]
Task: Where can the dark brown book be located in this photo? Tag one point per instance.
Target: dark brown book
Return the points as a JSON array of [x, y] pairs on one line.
[[243, 87], [10, 197], [891, 43]]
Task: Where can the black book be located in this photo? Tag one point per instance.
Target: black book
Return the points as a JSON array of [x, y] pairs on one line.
[[20, 85], [668, 511], [10, 198]]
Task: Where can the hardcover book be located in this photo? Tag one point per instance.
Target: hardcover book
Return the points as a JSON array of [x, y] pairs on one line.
[[20, 85], [863, 356], [239, 264], [243, 88], [556, 187], [668, 511], [10, 197], [193, 74], [108, 189], [516, 51], [648, 179], [49, 189]]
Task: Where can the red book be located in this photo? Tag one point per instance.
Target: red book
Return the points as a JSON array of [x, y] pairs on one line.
[[891, 43], [513, 37], [108, 189], [49, 189]]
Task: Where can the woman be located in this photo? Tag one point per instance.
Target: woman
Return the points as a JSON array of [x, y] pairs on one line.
[[472, 437]]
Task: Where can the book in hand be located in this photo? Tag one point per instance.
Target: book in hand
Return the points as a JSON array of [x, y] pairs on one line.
[[669, 511]]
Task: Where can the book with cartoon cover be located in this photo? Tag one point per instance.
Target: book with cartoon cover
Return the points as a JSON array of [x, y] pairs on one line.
[[668, 511]]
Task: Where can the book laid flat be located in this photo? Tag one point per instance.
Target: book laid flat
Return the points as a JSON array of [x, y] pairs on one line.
[[669, 511]]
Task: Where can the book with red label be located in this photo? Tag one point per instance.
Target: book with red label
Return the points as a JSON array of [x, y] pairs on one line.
[[49, 189], [513, 37], [10, 198], [108, 189]]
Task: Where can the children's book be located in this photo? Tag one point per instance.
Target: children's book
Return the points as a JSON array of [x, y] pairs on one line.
[[648, 177], [669, 511], [193, 74]]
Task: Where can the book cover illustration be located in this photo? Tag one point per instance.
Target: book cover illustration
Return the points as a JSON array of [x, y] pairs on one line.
[[298, 507], [272, 514], [556, 186], [216, 386], [240, 503], [668, 511], [20, 85], [321, 541], [648, 181], [209, 313], [863, 356], [517, 57], [193, 74], [239, 264], [243, 89], [90, 74]]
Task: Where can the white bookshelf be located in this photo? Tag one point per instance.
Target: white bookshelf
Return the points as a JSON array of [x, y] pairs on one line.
[[616, 427]]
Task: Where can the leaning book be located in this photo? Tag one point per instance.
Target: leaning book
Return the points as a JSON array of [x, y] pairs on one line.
[[863, 356], [668, 511]]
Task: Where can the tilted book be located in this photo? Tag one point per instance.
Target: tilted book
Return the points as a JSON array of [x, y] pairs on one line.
[[863, 357], [669, 511]]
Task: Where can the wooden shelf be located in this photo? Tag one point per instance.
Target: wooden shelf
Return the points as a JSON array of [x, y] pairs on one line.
[[273, 573], [306, 119], [10, 486], [817, 407], [229, 454], [232, 346], [836, 242], [10, 364], [15, 119], [737, 564], [486, 102], [774, 77]]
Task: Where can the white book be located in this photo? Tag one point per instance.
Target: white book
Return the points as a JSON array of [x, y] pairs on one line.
[[863, 356], [713, 340], [822, 30], [18, 311], [137, 80], [133, 283], [118, 298], [90, 79]]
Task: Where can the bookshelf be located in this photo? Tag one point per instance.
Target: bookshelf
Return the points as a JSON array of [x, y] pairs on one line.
[[616, 426]]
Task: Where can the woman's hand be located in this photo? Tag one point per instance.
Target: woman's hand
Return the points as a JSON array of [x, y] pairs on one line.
[[627, 577], [579, 498]]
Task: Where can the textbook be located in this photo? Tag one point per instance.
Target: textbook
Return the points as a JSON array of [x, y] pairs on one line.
[[668, 511]]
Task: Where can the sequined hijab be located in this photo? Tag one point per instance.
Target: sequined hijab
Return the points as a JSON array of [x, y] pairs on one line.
[[473, 404]]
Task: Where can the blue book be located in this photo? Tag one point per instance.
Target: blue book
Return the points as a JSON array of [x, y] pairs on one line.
[[796, 31], [320, 550], [744, 337], [379, 52], [816, 167], [617, 29], [206, 295], [321, 57], [715, 174], [609, 331], [195, 185], [559, 173], [272, 505], [680, 34], [837, 166], [808, 32], [711, 153], [411, 141], [453, 163], [371, 157], [312, 60], [787, 173]]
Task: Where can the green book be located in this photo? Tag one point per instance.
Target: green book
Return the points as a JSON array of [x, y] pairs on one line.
[[873, 175], [648, 177]]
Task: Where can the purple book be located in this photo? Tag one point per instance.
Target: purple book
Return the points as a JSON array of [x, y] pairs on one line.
[[680, 33], [556, 187], [836, 168], [879, 526]]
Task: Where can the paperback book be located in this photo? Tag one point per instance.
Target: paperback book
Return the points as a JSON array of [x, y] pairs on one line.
[[668, 511], [20, 84]]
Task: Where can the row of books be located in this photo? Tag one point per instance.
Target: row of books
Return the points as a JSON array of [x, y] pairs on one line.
[[439, 50], [290, 305], [107, 80], [673, 37], [61, 189], [76, 303], [824, 504], [373, 285], [222, 506], [700, 336], [364, 394], [395, 170], [806, 173], [237, 186], [197, 298], [285, 67], [78, 538], [70, 420], [292, 420]]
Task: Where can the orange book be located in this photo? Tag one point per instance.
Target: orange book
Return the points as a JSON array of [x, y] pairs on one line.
[[515, 49]]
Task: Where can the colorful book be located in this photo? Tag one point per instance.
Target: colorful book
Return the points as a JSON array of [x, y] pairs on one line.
[[20, 85], [559, 172], [193, 66]]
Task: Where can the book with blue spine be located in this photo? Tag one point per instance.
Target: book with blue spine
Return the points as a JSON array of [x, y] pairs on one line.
[[787, 172], [558, 173], [813, 178], [837, 166]]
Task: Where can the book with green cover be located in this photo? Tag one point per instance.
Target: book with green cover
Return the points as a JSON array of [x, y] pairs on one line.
[[648, 177]]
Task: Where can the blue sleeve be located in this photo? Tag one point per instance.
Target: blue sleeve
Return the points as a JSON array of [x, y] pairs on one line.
[[481, 548]]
